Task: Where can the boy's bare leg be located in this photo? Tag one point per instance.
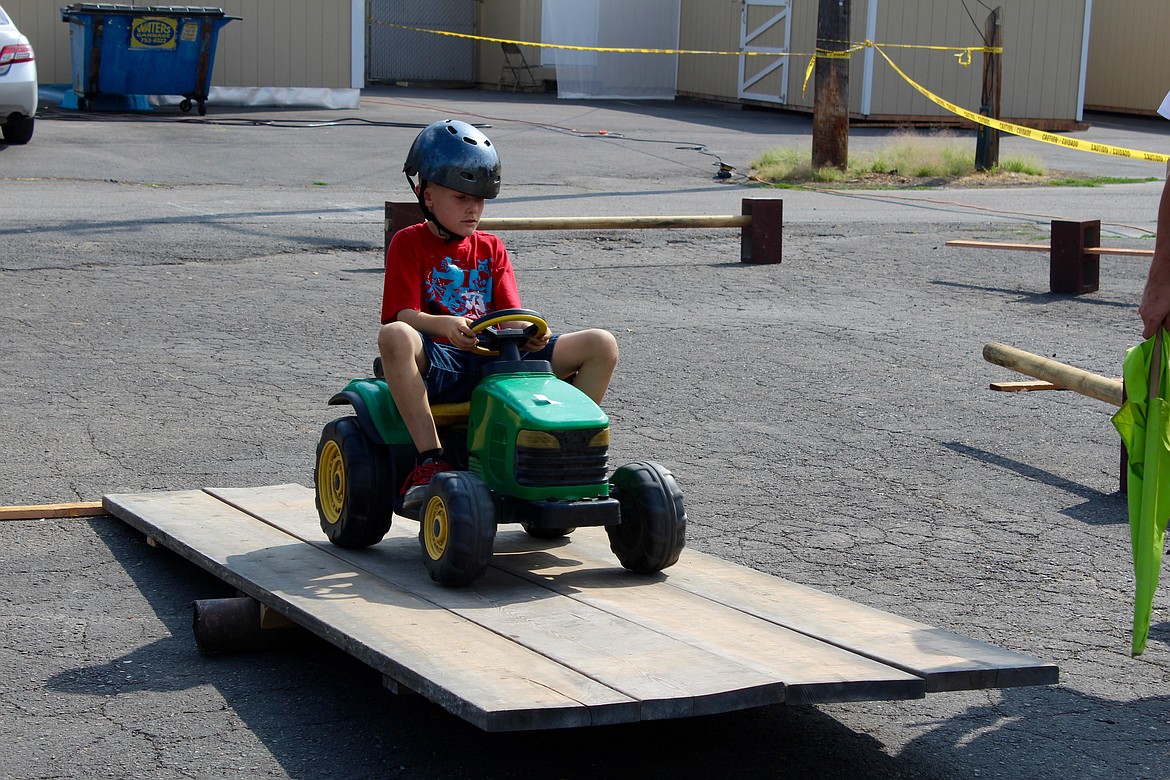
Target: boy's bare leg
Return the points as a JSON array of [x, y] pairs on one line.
[[403, 363], [591, 354]]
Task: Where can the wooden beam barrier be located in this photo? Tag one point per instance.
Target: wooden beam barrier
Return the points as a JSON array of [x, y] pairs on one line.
[[1074, 262], [760, 223], [1057, 373]]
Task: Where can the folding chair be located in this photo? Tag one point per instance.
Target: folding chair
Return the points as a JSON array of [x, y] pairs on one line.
[[517, 67]]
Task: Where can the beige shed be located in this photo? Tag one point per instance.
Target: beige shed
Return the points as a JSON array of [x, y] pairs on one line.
[[1044, 60], [339, 45], [1129, 63]]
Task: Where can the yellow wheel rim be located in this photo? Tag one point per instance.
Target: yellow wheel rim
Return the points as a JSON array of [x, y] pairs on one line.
[[435, 528], [331, 481]]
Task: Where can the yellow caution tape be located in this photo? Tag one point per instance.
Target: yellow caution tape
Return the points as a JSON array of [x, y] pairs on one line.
[[572, 48], [963, 55], [1020, 130], [963, 50]]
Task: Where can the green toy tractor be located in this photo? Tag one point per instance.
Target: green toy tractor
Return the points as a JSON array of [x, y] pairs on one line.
[[528, 448]]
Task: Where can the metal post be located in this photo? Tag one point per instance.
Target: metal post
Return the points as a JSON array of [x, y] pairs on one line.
[[1070, 269], [762, 240]]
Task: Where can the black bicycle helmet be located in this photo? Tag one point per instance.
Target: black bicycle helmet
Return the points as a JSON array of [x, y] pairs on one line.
[[455, 155]]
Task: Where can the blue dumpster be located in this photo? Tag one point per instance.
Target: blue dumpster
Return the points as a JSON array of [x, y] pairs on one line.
[[143, 50]]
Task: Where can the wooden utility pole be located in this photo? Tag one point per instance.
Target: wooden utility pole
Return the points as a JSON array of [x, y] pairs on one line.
[[987, 141], [831, 87]]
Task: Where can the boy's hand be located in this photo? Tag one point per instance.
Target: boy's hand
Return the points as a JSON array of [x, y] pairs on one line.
[[457, 330], [537, 342]]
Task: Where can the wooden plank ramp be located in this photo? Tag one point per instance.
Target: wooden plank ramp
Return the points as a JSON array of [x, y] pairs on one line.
[[557, 634]]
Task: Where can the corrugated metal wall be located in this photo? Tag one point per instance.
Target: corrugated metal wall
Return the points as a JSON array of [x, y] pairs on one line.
[[1042, 42], [284, 43], [517, 20], [915, 22], [1129, 60], [707, 25], [41, 22], [1041, 64], [306, 43], [278, 43]]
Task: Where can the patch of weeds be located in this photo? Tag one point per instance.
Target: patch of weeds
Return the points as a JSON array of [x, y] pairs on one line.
[[1097, 181], [913, 159]]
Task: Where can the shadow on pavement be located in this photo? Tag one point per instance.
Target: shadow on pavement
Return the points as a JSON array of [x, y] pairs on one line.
[[1097, 509]]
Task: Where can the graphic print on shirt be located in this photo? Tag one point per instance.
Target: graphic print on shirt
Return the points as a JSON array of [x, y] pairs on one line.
[[466, 292]]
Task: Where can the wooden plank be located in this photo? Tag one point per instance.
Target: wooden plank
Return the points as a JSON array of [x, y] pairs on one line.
[[475, 674], [1024, 387], [1089, 250], [48, 511], [998, 245], [810, 670], [672, 678], [945, 660], [1100, 250]]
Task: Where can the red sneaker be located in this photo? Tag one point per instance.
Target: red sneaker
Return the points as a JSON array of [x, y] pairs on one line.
[[414, 490]]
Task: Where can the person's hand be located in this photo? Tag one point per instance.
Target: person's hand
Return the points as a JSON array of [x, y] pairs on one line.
[[457, 330], [1155, 306], [1154, 315], [538, 342]]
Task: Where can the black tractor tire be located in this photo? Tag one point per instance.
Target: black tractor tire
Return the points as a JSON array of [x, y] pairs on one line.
[[536, 532], [653, 530], [354, 497], [457, 528]]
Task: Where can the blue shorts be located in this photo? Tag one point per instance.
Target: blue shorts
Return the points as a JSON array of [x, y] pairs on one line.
[[452, 373]]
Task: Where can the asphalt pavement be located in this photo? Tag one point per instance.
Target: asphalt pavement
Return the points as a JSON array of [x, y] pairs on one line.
[[182, 295]]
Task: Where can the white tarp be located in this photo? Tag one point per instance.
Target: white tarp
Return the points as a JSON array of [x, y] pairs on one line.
[[625, 24]]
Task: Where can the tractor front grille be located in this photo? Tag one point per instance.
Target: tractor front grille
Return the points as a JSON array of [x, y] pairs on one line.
[[562, 458]]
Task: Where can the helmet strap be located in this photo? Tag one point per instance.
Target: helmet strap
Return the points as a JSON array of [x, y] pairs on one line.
[[447, 235]]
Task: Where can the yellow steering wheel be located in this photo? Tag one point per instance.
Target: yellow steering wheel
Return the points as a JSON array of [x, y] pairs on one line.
[[487, 329]]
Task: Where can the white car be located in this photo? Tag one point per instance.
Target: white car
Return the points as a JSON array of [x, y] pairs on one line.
[[18, 83]]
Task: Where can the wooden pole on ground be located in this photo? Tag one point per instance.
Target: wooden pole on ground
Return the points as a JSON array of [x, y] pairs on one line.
[[240, 624], [613, 223], [830, 141], [47, 511]]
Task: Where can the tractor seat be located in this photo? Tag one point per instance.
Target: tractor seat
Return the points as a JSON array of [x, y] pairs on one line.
[[444, 414], [450, 414]]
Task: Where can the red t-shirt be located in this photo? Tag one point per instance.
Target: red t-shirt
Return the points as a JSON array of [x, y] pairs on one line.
[[468, 278]]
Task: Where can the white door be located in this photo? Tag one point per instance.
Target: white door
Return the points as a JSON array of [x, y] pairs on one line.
[[765, 26]]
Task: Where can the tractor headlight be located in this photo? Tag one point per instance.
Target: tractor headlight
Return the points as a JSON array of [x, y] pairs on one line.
[[537, 440]]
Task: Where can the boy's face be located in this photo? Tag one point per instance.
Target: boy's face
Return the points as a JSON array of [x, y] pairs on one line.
[[457, 211]]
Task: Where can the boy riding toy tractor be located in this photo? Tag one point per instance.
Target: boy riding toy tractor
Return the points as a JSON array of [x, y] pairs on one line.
[[514, 442], [528, 448]]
